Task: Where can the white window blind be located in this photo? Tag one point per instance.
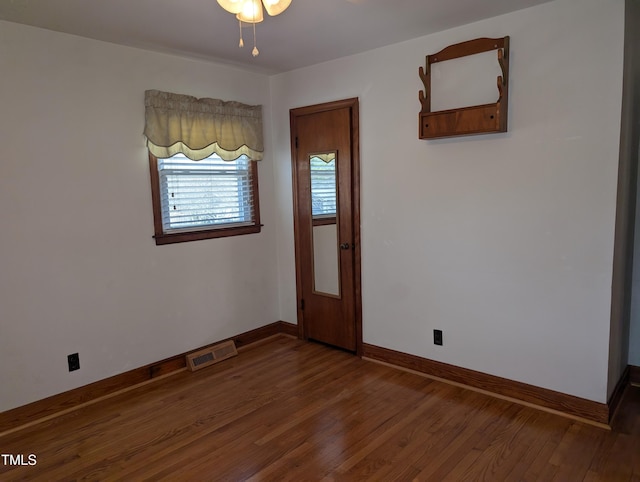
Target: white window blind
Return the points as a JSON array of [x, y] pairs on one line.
[[323, 187], [205, 194]]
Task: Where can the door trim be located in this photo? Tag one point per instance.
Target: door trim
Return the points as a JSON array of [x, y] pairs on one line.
[[353, 105]]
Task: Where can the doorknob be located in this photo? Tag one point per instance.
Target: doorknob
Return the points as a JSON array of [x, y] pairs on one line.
[[344, 246]]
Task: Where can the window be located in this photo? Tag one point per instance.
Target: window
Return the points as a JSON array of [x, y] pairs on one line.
[[203, 199], [204, 175]]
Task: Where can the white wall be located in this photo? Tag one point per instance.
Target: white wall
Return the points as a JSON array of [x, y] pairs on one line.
[[80, 271], [631, 149], [505, 242]]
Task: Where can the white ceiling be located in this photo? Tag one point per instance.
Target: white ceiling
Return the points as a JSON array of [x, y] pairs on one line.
[[309, 32]]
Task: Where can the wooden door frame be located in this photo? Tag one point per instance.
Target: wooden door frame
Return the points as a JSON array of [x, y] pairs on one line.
[[353, 105]]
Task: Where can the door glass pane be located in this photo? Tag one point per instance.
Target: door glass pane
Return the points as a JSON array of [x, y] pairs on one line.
[[324, 202]]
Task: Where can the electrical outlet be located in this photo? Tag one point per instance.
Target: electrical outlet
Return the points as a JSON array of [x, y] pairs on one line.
[[437, 337], [74, 362]]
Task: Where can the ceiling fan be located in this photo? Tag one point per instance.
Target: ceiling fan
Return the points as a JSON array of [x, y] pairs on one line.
[[250, 11]]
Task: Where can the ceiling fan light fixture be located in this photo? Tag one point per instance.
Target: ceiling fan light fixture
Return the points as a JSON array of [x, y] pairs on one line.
[[251, 12], [276, 7], [231, 6]]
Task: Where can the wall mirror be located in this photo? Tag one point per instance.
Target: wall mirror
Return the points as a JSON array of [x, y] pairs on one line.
[[324, 214]]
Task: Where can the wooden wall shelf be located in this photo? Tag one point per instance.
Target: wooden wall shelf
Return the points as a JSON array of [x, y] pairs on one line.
[[477, 119]]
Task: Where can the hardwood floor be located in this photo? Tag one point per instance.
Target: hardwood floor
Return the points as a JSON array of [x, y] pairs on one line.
[[290, 410]]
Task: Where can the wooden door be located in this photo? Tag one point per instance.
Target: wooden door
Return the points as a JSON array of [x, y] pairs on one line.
[[326, 222]]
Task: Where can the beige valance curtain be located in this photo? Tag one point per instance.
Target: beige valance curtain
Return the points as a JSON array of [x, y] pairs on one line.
[[328, 157], [198, 128]]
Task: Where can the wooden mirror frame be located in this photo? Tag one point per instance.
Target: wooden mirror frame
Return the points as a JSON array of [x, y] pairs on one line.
[[477, 119]]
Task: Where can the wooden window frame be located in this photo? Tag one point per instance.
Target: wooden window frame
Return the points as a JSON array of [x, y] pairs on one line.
[[323, 221], [222, 231]]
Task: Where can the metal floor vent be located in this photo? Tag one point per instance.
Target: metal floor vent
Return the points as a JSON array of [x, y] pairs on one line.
[[210, 355]]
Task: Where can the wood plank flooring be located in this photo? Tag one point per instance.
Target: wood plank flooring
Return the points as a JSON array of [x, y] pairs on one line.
[[289, 410]]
